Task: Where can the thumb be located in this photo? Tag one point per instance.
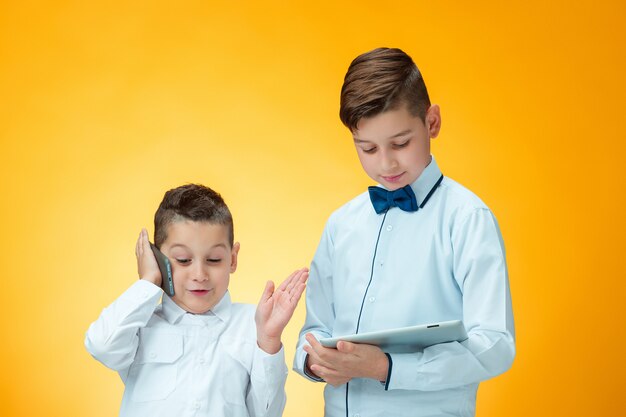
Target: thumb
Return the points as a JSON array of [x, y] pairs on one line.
[[345, 347], [267, 293]]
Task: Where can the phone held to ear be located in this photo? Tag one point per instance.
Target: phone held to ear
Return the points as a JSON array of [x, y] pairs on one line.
[[167, 283]]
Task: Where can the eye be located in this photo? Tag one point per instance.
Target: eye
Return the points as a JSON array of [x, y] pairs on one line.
[[401, 145], [214, 260], [183, 261], [368, 150]]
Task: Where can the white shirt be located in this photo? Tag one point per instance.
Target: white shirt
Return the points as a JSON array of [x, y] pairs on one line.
[[178, 364], [445, 261]]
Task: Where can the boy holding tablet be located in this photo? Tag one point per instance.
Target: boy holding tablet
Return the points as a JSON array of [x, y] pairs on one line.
[[418, 248]]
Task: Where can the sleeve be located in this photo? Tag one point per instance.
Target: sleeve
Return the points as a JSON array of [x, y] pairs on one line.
[[320, 311], [481, 273], [266, 395], [113, 338]]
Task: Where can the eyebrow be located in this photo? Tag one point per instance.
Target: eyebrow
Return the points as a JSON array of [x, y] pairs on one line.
[[397, 135], [176, 245]]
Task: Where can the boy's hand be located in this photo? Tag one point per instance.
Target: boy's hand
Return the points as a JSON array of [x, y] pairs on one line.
[[349, 360], [276, 308], [146, 262]]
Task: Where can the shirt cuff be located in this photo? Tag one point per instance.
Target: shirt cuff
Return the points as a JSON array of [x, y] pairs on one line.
[[309, 375], [270, 368], [385, 383], [405, 374]]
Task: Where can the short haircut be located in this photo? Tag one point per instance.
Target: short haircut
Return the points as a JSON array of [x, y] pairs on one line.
[[191, 202], [381, 80]]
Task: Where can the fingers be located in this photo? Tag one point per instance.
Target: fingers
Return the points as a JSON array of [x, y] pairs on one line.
[[293, 279], [297, 286], [315, 360], [147, 265], [137, 245], [145, 242], [331, 376], [139, 251], [286, 282], [327, 363], [300, 277], [313, 348], [320, 354], [297, 293], [304, 275], [313, 341]]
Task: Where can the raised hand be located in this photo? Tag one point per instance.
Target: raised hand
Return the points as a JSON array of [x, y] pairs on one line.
[[276, 308], [146, 262]]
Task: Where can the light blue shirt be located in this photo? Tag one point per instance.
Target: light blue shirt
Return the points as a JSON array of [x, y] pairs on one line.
[[445, 261]]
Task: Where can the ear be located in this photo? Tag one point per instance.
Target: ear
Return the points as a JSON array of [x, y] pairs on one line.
[[433, 121], [233, 257]]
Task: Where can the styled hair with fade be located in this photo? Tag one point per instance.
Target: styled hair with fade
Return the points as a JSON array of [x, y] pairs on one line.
[[191, 202], [381, 80]]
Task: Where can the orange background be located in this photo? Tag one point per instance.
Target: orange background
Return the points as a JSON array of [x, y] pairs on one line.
[[105, 105]]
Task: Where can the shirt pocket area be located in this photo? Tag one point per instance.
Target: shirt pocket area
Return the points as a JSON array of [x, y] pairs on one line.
[[155, 367], [234, 370]]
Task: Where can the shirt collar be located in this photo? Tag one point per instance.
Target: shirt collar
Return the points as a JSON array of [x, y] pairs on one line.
[[426, 182], [223, 308], [173, 312]]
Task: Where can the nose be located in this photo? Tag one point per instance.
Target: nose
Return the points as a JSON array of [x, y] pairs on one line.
[[388, 161], [200, 272]]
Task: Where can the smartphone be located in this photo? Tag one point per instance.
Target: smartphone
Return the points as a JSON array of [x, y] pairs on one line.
[[167, 283]]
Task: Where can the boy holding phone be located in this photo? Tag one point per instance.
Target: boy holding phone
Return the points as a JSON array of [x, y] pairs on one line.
[[418, 248], [196, 352]]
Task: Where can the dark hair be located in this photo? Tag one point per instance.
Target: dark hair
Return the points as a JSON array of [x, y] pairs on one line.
[[382, 80], [191, 202]]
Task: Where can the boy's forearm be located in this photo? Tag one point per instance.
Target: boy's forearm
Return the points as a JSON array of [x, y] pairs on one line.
[[268, 376], [438, 367]]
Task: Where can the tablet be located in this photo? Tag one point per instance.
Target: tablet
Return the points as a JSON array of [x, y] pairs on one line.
[[407, 339]]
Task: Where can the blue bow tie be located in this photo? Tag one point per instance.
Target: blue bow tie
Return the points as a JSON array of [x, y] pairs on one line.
[[403, 198]]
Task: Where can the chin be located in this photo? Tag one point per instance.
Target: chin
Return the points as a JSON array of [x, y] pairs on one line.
[[394, 186]]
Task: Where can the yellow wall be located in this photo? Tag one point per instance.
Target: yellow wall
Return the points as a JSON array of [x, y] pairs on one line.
[[105, 106]]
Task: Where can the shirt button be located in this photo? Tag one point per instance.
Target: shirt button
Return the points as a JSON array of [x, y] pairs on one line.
[[389, 229], [196, 405], [152, 355], [372, 299], [357, 415], [201, 361]]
